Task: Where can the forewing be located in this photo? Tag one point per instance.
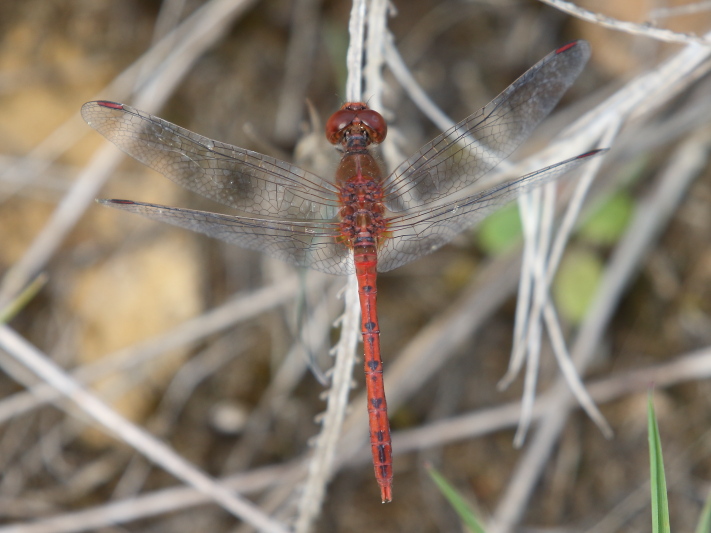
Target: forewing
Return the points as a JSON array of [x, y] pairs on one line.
[[309, 244], [418, 234], [463, 154], [233, 176]]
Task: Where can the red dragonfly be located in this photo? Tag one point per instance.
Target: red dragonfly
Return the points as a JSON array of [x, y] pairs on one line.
[[360, 222]]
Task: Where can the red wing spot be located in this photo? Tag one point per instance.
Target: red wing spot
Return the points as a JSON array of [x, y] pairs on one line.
[[124, 202], [566, 47], [588, 154], [112, 105]]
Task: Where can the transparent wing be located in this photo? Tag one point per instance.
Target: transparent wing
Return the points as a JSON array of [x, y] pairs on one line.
[[310, 244], [233, 176], [418, 234], [463, 154]]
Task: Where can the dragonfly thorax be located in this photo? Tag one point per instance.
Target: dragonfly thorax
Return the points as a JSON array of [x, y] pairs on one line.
[[362, 211]]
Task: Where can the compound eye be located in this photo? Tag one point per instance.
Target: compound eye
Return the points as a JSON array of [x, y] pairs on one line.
[[338, 122], [374, 121]]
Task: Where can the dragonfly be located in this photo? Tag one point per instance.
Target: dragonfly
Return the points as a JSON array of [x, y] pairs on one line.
[[361, 222]]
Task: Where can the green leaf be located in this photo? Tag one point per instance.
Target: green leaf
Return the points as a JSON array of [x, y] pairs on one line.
[[660, 503], [456, 501], [576, 283], [500, 230], [704, 525], [607, 223]]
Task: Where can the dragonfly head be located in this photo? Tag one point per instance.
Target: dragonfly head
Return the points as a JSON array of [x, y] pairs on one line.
[[356, 119]]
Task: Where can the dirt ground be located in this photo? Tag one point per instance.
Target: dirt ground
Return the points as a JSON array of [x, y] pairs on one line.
[[227, 400]]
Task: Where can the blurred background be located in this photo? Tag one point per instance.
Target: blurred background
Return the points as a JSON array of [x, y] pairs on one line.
[[115, 282]]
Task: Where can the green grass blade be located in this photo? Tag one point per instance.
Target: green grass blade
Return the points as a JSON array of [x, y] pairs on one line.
[[14, 307], [705, 520], [458, 503], [660, 504]]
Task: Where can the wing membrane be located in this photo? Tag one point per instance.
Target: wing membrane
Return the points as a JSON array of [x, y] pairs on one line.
[[415, 235], [463, 154], [233, 176], [302, 243]]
